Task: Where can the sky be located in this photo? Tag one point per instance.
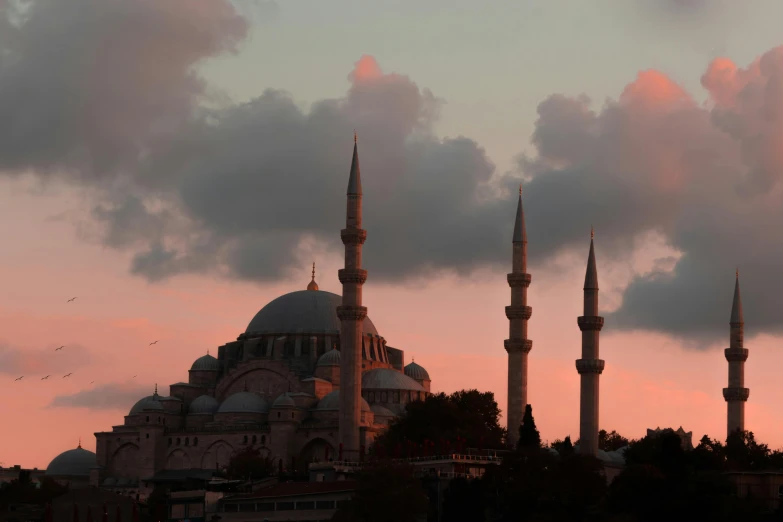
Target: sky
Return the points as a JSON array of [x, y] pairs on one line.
[[176, 166]]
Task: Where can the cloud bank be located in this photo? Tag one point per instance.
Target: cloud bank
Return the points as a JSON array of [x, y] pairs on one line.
[[194, 184], [103, 397], [35, 363]]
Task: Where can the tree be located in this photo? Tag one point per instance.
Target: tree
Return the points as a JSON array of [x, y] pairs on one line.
[[385, 493], [23, 490], [468, 416], [743, 453], [528, 433], [708, 455], [611, 441], [564, 447], [249, 463]]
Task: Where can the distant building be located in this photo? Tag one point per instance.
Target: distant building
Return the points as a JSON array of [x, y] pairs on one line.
[[686, 437]]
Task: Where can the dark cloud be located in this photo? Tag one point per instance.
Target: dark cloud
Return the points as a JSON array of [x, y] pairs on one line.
[[194, 186], [103, 397], [37, 362]]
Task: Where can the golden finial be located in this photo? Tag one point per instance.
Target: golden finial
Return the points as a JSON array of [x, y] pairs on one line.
[[207, 351], [592, 232], [156, 388], [520, 189], [313, 285], [80, 442], [354, 135], [313, 270], [737, 273]]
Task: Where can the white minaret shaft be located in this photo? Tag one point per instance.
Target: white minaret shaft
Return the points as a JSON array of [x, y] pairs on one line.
[[589, 366], [352, 315], [518, 345], [736, 354]]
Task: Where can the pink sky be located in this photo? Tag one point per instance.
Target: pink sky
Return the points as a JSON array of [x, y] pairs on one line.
[[454, 328]]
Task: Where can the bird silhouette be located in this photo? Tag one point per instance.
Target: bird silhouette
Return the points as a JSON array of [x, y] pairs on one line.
[[153, 342], [135, 376], [44, 378], [91, 382], [67, 375], [71, 299], [60, 348], [19, 379]]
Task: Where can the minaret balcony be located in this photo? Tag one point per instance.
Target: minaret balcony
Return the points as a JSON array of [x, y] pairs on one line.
[[518, 279], [590, 366], [353, 236], [518, 312], [736, 354], [352, 275], [590, 323], [518, 345], [351, 313], [736, 394]]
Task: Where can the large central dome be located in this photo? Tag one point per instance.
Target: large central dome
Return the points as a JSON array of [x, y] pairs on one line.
[[306, 311]]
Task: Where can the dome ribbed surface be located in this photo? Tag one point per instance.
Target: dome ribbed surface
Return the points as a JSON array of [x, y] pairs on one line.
[[417, 372], [386, 379], [205, 362], [244, 402], [330, 358], [331, 402], [72, 463], [150, 403], [305, 311], [204, 404]]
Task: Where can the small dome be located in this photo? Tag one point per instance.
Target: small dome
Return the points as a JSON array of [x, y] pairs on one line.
[[284, 401], [151, 403], [244, 402], [330, 358], [331, 402], [380, 411], [387, 379], [205, 362], [72, 463], [203, 405], [416, 372]]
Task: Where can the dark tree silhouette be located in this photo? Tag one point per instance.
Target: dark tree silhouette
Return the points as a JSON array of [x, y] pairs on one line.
[[249, 463], [385, 493], [564, 447], [611, 441], [743, 453], [528, 433]]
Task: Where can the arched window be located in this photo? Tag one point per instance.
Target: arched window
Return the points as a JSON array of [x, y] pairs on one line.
[[396, 397], [278, 414], [147, 436], [371, 397], [384, 396], [187, 441], [158, 420], [148, 418], [244, 439], [254, 439], [292, 415], [195, 441], [263, 439], [178, 441], [170, 441]]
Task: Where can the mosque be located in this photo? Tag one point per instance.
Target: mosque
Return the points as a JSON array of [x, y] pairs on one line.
[[311, 379]]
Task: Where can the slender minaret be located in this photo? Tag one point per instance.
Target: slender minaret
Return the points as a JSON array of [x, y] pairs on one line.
[[736, 354], [589, 366], [352, 315], [518, 345]]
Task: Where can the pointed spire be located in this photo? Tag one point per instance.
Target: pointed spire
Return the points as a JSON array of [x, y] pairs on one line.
[[156, 389], [591, 276], [313, 285], [520, 234], [355, 181], [80, 443], [736, 305]]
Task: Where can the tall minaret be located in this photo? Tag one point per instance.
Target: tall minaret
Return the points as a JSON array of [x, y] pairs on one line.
[[518, 345], [736, 394], [352, 315], [589, 366]]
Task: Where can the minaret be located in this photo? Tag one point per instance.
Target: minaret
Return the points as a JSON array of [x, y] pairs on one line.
[[736, 394], [589, 366], [517, 345], [352, 315]]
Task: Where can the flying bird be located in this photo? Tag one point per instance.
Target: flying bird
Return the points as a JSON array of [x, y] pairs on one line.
[[67, 375], [91, 382], [153, 342], [44, 378], [135, 376], [19, 379], [60, 348], [71, 299]]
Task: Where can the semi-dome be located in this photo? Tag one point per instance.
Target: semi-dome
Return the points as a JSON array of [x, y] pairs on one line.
[[330, 358], [72, 463], [331, 402], [244, 402], [284, 401], [151, 403], [204, 405], [305, 311], [387, 379], [417, 372], [205, 362], [381, 411]]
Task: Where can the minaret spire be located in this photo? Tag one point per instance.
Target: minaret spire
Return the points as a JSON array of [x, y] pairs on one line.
[[517, 345], [590, 366], [736, 354], [312, 285], [352, 314]]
